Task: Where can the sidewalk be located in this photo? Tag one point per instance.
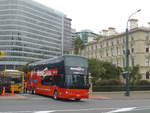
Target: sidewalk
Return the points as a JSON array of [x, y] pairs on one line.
[[96, 95], [120, 95], [11, 97]]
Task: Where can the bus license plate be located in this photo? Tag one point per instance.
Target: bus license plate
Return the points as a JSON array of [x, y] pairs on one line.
[[77, 95]]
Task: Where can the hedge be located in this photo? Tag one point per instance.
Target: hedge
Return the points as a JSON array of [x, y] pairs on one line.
[[107, 88], [108, 83], [120, 88]]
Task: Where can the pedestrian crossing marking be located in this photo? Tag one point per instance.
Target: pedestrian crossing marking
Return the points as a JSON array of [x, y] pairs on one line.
[[122, 110]]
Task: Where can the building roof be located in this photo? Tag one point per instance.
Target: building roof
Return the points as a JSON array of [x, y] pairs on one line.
[[143, 29], [45, 7], [86, 30]]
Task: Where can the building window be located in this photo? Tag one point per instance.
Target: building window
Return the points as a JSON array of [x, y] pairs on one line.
[[117, 41], [132, 38], [132, 50], [124, 62], [107, 44], [111, 52], [147, 48], [147, 75], [147, 37], [92, 47], [119, 62], [107, 53], [146, 62], [117, 49], [123, 40], [112, 43], [96, 46]]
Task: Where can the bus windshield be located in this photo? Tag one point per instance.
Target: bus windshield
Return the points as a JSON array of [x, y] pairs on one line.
[[15, 77], [76, 61], [77, 81]]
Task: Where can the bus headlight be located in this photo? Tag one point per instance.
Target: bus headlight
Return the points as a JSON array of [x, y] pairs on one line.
[[67, 92]]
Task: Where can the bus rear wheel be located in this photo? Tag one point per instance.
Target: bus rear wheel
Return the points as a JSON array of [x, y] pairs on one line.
[[55, 96]]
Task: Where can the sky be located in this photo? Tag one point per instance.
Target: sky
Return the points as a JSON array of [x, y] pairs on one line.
[[97, 15]]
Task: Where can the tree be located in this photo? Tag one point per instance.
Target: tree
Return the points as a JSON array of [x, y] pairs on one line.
[[23, 68], [135, 75], [95, 68], [102, 70], [112, 71], [78, 44]]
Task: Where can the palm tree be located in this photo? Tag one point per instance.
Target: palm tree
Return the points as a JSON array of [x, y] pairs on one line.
[[78, 44]]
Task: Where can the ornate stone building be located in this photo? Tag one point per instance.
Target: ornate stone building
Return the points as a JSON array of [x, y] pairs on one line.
[[111, 47]]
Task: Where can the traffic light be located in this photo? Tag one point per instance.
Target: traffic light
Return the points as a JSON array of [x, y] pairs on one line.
[[2, 53]]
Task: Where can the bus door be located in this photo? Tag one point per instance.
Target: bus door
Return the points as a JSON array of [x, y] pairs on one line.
[[47, 85]]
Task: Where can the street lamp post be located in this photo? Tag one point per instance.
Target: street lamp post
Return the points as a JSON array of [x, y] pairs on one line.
[[90, 82], [127, 52]]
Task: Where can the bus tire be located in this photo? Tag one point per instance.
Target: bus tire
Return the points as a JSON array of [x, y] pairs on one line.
[[55, 96], [77, 99], [33, 91]]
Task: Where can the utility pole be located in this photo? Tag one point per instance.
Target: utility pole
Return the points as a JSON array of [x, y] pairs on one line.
[[127, 52]]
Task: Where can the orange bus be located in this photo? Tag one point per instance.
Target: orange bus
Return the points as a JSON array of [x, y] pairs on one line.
[[62, 77]]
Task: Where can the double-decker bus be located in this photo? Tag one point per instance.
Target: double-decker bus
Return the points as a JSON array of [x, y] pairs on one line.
[[15, 78], [62, 77]]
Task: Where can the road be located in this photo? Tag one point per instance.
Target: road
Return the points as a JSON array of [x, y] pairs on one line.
[[42, 104]]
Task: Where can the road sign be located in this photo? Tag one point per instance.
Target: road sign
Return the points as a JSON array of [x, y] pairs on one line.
[[2, 54]]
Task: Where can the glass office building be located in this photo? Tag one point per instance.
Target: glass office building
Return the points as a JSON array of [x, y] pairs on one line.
[[86, 35], [68, 39], [29, 32]]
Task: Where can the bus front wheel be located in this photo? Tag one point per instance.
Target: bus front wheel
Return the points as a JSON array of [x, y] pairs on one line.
[[33, 91], [77, 99], [55, 96]]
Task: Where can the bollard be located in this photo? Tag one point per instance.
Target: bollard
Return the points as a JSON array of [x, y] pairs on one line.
[[3, 92], [12, 91], [0, 90]]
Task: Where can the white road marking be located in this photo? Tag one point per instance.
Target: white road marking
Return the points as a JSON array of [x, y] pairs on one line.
[[139, 109], [75, 110], [67, 110], [122, 110], [17, 112], [44, 111]]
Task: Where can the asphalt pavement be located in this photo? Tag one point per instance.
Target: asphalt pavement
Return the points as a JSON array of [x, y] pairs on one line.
[[99, 102], [44, 104]]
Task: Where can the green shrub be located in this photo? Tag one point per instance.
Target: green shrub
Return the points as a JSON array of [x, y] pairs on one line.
[[108, 82], [120, 88], [116, 85], [143, 82], [108, 88]]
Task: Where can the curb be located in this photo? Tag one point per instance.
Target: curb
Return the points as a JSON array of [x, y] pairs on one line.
[[12, 97], [99, 97], [120, 95]]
